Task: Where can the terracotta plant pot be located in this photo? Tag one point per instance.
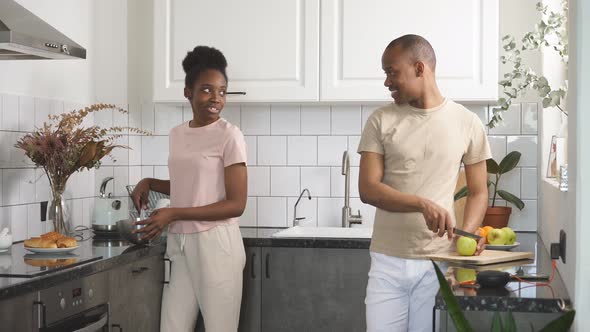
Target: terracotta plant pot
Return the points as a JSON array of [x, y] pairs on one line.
[[497, 216]]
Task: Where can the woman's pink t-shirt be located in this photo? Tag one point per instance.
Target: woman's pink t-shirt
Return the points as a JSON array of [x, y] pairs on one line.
[[196, 164]]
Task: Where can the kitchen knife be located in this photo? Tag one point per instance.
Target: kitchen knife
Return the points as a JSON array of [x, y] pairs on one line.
[[464, 233]]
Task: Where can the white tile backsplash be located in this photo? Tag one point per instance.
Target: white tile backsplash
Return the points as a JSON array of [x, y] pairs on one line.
[[529, 118], [231, 113], [330, 150], [302, 150], [256, 120], [19, 227], [525, 220], [284, 181], [529, 178], [10, 113], [290, 147], [26, 108], [248, 218], [285, 120], [154, 150], [251, 148], [511, 123], [346, 120], [258, 181], [315, 120], [330, 212], [166, 117], [527, 146], [510, 182], [272, 211], [498, 147], [316, 180], [272, 150]]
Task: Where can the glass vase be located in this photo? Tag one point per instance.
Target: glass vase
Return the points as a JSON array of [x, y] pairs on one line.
[[58, 212]]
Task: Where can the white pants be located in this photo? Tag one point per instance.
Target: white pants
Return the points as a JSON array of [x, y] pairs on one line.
[[400, 294], [206, 274]]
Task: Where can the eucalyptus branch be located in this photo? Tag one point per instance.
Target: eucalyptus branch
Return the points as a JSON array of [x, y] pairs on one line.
[[550, 32]]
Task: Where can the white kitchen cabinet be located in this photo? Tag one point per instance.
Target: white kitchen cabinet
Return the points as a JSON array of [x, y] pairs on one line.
[[354, 33], [272, 47]]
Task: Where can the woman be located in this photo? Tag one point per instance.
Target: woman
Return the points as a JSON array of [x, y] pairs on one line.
[[208, 192]]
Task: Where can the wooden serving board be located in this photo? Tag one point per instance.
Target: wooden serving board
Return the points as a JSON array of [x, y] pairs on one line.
[[486, 257]]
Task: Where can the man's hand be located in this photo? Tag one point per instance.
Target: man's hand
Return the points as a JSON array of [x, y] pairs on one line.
[[437, 218], [481, 245]]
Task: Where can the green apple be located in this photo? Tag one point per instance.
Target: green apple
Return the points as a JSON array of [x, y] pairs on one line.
[[497, 236], [511, 236], [466, 246], [464, 274]]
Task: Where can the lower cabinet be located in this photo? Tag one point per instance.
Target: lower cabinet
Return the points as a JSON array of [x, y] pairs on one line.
[[17, 314], [304, 289], [136, 295]]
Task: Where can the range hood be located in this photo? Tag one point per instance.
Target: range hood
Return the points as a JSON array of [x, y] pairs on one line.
[[24, 36]]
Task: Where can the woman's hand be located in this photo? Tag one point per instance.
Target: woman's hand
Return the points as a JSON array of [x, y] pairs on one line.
[[156, 223], [140, 194]]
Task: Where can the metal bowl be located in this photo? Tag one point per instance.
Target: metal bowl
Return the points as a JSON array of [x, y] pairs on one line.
[[125, 228]]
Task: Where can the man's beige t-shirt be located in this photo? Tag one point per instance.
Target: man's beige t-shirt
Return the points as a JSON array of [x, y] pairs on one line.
[[422, 151]]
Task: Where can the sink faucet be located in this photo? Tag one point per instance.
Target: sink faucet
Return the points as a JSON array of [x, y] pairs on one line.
[[296, 219], [347, 217]]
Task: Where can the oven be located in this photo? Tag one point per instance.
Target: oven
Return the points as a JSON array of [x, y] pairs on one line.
[[79, 305]]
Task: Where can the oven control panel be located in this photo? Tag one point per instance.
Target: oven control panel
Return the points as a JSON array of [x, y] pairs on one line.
[[74, 296]]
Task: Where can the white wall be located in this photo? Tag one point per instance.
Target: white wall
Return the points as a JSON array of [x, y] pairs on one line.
[[579, 268]]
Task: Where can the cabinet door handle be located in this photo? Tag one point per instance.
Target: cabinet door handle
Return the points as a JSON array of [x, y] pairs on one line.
[[43, 322], [252, 269], [117, 326], [267, 266], [166, 282], [243, 93], [139, 270]]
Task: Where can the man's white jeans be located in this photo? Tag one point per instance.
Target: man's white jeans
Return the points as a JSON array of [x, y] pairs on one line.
[[400, 294]]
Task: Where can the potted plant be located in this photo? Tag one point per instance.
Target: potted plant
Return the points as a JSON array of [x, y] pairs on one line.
[[497, 216], [560, 324]]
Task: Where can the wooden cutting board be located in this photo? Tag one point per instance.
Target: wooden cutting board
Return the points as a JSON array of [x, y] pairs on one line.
[[486, 257]]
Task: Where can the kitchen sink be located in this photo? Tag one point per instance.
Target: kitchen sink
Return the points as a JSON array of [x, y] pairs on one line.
[[325, 232]]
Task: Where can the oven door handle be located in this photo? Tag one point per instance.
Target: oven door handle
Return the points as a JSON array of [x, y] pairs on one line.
[[92, 327]]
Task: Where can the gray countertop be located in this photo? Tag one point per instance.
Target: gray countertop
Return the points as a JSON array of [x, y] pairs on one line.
[[516, 296]]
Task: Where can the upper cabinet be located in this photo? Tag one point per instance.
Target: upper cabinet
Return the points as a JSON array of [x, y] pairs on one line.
[[273, 47], [463, 33]]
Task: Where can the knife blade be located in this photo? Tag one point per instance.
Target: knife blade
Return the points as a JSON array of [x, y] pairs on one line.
[[464, 233]]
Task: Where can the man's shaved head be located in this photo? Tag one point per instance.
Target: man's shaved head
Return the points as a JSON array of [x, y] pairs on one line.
[[418, 47]]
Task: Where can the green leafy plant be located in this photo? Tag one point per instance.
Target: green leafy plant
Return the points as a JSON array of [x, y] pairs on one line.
[[551, 33], [560, 324], [507, 164]]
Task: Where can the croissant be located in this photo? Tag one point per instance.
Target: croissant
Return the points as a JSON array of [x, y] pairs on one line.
[[53, 236], [66, 242], [34, 242]]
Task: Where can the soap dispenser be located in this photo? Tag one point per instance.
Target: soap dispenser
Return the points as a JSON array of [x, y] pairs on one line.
[[108, 210]]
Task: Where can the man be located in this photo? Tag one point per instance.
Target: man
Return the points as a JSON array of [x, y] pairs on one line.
[[411, 154]]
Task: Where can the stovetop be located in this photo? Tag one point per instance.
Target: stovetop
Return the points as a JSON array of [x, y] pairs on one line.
[[25, 264]]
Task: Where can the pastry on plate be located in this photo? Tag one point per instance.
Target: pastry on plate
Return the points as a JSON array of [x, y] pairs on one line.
[[34, 242], [53, 236], [66, 242]]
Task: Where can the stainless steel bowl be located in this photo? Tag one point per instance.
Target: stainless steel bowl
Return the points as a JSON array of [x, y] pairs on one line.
[[125, 228]]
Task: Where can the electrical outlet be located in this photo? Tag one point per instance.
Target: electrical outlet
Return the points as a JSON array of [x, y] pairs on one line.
[[562, 245], [43, 211], [558, 249]]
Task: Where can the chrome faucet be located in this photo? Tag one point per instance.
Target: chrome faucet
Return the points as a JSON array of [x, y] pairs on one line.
[[296, 219], [347, 217]]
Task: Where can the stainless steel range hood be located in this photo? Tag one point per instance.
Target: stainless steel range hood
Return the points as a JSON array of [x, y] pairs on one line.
[[24, 36]]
